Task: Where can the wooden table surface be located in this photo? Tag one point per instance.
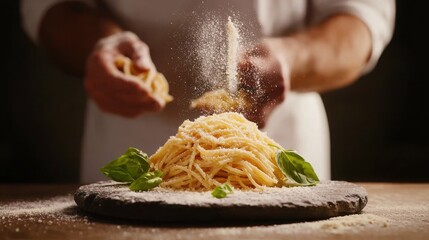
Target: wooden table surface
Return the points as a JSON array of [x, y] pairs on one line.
[[394, 211]]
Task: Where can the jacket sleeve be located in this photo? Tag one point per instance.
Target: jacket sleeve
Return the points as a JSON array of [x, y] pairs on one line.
[[32, 13], [379, 17]]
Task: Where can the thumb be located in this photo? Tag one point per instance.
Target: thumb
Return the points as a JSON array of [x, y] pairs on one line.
[[141, 58], [139, 54]]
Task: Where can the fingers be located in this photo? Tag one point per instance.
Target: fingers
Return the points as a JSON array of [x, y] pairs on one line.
[[141, 58], [115, 92], [102, 70], [261, 110], [260, 74], [246, 55], [255, 117], [259, 50], [138, 52], [129, 45], [124, 105], [107, 104], [262, 77], [145, 101]]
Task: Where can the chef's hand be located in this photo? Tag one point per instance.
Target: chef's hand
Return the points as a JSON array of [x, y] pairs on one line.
[[265, 77], [110, 88]]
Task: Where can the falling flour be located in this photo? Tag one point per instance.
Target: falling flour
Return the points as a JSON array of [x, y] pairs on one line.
[[233, 44], [214, 49], [209, 54]]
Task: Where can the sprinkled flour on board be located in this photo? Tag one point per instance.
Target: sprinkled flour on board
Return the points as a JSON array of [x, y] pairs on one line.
[[319, 195], [326, 199]]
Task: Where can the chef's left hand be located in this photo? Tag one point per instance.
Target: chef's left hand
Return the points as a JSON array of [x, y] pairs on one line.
[[265, 77]]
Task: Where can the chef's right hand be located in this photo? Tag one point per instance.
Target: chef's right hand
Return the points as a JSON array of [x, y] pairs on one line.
[[112, 90], [265, 76]]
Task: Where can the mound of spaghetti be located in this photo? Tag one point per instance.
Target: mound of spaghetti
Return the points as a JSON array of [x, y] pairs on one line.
[[217, 149]]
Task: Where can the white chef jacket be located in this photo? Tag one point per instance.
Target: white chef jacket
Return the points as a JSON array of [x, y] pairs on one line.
[[298, 123]]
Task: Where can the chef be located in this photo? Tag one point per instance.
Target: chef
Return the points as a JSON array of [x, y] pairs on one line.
[[308, 47]]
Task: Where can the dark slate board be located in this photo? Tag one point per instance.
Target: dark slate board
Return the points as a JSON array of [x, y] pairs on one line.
[[327, 199]]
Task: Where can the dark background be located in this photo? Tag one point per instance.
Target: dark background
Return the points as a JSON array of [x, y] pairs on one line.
[[379, 125]]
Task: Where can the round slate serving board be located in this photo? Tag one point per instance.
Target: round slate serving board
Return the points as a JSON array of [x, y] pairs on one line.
[[325, 200]]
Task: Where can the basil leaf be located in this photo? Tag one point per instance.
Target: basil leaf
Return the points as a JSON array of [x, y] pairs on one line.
[[147, 181], [221, 191], [128, 167], [297, 171]]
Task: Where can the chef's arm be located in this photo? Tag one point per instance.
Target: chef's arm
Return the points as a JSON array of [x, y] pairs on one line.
[[69, 30], [327, 56]]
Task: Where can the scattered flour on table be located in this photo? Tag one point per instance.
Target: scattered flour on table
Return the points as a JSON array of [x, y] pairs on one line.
[[351, 223], [47, 206], [36, 219], [405, 211]]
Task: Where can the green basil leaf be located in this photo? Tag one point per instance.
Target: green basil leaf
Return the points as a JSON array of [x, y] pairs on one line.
[[147, 181], [222, 190], [297, 171], [118, 174], [128, 167]]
